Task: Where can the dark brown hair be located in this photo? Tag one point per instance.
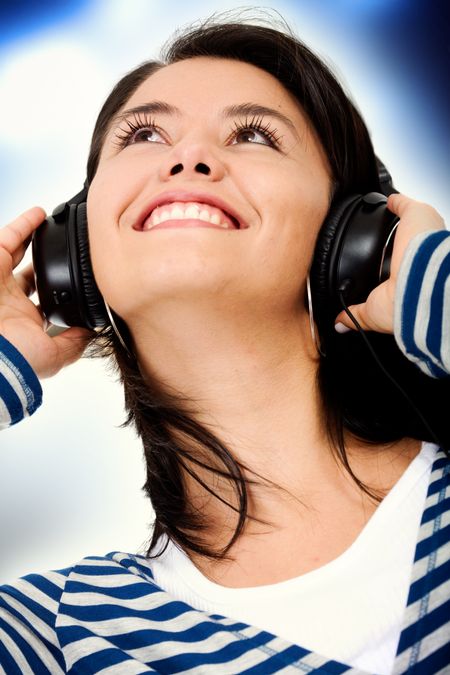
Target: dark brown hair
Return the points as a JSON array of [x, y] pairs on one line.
[[356, 396]]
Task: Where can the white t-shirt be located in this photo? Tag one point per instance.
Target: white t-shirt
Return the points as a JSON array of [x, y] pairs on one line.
[[350, 609]]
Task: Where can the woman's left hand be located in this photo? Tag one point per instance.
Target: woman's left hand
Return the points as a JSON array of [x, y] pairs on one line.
[[377, 313]]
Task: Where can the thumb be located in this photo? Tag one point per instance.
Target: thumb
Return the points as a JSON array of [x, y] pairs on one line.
[[374, 314], [344, 324], [70, 345]]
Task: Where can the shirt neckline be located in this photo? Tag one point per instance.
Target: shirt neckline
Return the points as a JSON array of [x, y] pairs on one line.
[[199, 584], [303, 658]]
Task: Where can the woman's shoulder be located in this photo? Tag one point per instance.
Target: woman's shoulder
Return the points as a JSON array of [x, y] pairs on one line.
[[29, 608], [47, 589], [36, 610], [41, 594]]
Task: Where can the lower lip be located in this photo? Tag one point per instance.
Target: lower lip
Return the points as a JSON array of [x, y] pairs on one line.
[[168, 224]]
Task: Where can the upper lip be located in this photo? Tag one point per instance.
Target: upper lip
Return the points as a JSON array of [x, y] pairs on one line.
[[191, 196]]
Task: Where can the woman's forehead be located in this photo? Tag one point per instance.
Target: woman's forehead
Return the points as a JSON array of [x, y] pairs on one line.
[[217, 91], [217, 80]]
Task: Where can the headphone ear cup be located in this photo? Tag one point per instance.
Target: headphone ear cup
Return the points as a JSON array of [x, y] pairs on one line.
[[323, 268], [93, 300], [352, 255]]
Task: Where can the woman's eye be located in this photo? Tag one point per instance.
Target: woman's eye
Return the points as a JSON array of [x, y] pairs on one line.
[[138, 131], [147, 134], [251, 136], [255, 131]]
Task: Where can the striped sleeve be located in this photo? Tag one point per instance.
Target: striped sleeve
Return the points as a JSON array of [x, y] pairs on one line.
[[422, 303], [20, 390], [424, 646], [28, 611]]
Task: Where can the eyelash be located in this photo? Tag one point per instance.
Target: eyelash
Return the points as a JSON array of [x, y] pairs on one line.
[[133, 126], [255, 123]]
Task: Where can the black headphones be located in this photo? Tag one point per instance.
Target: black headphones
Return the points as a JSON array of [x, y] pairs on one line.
[[65, 284], [352, 256], [353, 251]]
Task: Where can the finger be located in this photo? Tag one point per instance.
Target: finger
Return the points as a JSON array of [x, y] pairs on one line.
[[418, 213], [15, 235], [71, 343], [343, 322], [20, 252], [25, 280], [415, 218], [362, 316]]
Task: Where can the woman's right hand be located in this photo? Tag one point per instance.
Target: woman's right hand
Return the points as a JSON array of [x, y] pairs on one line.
[[21, 322]]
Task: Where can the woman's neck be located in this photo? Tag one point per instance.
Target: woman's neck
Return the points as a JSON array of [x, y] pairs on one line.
[[252, 383], [254, 387]]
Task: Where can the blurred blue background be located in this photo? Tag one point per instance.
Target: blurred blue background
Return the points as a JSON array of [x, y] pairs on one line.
[[59, 59], [69, 479], [411, 38]]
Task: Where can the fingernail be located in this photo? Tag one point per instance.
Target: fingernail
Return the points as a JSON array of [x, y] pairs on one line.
[[341, 328]]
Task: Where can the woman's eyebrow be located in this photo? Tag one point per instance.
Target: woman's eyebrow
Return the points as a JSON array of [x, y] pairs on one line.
[[256, 109], [238, 109], [160, 107]]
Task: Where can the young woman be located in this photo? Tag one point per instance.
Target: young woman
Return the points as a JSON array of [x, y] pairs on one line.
[[300, 505]]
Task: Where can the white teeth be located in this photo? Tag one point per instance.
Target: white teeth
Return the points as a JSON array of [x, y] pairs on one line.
[[185, 211], [177, 212], [165, 215], [191, 211]]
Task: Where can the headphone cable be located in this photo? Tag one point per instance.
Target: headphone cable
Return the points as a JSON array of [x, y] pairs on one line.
[[386, 372]]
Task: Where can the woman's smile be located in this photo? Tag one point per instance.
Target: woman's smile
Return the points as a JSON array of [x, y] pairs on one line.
[[188, 214], [185, 206]]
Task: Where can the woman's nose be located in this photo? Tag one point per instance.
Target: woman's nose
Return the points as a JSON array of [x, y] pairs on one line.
[[200, 167], [192, 161]]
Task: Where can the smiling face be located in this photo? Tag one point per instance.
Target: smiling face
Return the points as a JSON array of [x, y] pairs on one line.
[[213, 189]]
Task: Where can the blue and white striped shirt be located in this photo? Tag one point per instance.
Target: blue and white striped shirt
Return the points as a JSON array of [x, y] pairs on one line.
[[20, 390], [422, 303], [108, 615]]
